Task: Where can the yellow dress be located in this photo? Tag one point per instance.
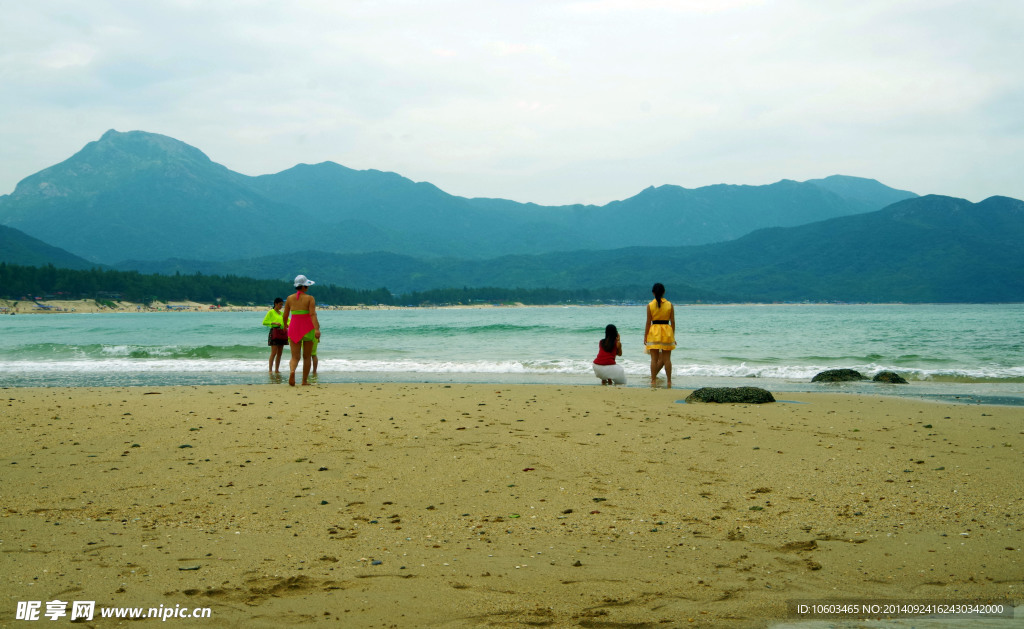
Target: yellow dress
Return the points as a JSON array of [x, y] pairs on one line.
[[661, 335]]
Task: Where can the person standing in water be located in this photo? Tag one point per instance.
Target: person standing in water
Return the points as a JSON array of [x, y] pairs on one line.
[[660, 334], [278, 336], [303, 327]]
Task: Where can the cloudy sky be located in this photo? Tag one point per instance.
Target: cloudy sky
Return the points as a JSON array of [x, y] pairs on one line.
[[549, 101]]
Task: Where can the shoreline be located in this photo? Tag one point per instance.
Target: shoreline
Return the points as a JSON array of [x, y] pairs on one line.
[[205, 372], [90, 306], [463, 505], [943, 394]]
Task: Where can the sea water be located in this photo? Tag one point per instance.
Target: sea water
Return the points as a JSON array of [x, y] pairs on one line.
[[967, 352]]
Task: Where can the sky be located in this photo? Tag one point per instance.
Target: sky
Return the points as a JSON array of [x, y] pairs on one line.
[[546, 101]]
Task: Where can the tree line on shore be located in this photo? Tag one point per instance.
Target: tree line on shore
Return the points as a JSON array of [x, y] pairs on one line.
[[29, 283]]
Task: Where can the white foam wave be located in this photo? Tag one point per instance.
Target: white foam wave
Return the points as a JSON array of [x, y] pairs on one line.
[[127, 365], [124, 364]]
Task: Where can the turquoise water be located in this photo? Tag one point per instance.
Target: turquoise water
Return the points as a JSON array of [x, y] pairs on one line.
[[965, 350]]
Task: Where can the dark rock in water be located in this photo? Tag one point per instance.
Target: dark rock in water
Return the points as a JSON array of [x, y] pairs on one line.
[[889, 376], [731, 395], [838, 375]]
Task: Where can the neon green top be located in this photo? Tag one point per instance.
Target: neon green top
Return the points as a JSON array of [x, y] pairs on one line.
[[273, 319]]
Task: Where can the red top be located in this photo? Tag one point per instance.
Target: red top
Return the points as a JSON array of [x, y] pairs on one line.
[[604, 357]]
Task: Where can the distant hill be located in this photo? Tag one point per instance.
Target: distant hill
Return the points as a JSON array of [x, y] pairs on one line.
[[147, 197], [926, 249], [17, 247], [929, 249], [671, 215], [869, 194], [143, 195]]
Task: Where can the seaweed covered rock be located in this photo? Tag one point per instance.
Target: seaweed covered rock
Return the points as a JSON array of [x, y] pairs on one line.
[[890, 377], [731, 395], [838, 375]]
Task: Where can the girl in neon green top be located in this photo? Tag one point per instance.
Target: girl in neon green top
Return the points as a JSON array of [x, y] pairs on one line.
[[278, 337]]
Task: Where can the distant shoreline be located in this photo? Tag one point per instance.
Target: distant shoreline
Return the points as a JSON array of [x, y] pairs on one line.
[[90, 306]]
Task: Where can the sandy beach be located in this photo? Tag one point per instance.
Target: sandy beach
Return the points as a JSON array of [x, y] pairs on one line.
[[432, 505]]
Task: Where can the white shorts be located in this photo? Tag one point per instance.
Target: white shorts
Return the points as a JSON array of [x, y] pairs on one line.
[[615, 373]]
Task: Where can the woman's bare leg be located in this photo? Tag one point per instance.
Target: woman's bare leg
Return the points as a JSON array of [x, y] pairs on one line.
[[666, 361], [275, 357], [307, 361], [293, 361], [655, 365]]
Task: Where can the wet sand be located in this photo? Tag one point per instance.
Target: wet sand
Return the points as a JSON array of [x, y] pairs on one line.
[[438, 505]]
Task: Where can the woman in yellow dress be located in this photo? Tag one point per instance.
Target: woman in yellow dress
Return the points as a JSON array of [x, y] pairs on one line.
[[660, 334]]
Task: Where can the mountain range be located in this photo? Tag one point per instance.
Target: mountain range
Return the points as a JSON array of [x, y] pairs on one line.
[[150, 203], [925, 249], [142, 196]]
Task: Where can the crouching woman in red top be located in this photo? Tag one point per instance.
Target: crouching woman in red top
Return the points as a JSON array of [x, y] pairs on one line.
[[604, 365]]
